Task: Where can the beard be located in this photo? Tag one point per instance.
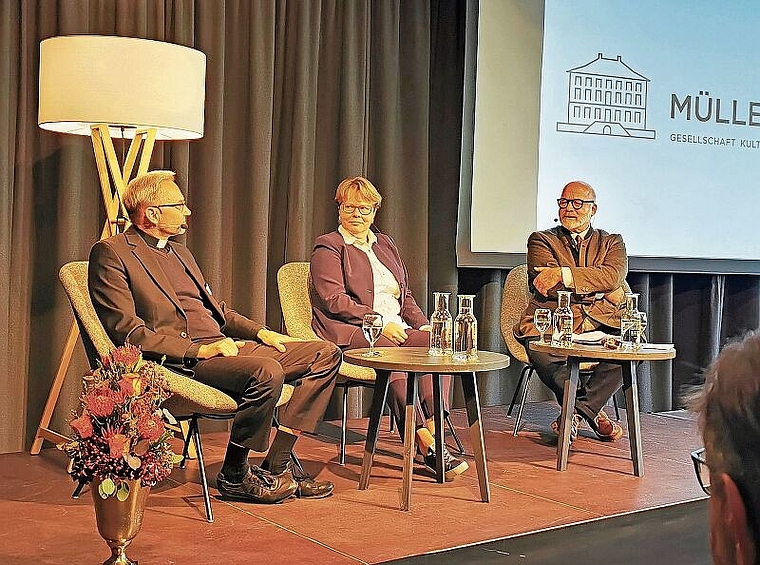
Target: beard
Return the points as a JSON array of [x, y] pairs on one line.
[[575, 224]]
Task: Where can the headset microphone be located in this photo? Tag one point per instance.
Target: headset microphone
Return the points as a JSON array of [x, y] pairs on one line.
[[174, 225]]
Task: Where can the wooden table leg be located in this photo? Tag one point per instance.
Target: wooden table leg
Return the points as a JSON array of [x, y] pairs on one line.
[[631, 388], [410, 424], [470, 389], [375, 413], [439, 431], [568, 406]]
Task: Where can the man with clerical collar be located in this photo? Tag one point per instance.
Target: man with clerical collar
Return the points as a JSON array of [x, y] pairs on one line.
[[150, 292], [592, 264]]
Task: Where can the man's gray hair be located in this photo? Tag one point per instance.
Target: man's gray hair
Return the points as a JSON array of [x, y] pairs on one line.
[[729, 416], [144, 189]]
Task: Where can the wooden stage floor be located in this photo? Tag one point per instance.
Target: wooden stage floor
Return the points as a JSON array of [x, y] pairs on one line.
[[40, 523]]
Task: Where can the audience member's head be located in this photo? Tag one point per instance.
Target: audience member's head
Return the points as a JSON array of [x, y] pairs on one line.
[[577, 206], [729, 411]]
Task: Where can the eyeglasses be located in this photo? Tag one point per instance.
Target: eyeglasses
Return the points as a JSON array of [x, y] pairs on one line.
[[178, 205], [363, 210], [701, 469], [576, 202]]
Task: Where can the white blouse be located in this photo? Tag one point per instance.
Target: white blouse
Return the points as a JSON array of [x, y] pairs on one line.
[[386, 287]]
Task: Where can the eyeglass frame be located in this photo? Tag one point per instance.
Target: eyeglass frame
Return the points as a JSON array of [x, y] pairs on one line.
[[701, 469], [350, 209], [178, 205], [568, 201]]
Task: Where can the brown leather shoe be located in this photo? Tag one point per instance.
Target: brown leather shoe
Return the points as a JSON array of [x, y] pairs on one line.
[[606, 429], [258, 486], [309, 487]]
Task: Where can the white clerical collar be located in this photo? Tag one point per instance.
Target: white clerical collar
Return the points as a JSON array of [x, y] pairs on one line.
[[350, 239], [153, 242]]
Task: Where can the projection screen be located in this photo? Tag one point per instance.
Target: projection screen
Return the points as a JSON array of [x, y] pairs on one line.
[[653, 103]]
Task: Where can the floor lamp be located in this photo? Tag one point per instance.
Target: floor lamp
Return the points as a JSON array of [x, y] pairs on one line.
[[116, 87]]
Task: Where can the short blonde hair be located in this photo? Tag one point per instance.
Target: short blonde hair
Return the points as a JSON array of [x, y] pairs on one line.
[[144, 189], [357, 186]]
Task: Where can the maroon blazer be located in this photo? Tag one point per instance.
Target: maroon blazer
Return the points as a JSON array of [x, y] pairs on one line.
[[135, 301], [342, 286]]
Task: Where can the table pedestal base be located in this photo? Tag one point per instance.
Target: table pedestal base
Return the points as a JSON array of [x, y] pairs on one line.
[[631, 390], [473, 418]]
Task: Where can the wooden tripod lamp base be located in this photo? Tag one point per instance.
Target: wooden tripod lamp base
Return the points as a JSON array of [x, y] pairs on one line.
[[113, 182]]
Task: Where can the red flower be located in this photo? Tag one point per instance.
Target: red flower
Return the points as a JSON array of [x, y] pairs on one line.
[[126, 387], [118, 446], [100, 402], [83, 426], [118, 432], [126, 356], [150, 428], [131, 384]]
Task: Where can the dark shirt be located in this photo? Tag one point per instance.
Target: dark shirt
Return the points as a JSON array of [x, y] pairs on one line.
[[136, 302], [201, 325]]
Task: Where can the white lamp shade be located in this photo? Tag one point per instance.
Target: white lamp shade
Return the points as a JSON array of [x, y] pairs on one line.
[[121, 82]]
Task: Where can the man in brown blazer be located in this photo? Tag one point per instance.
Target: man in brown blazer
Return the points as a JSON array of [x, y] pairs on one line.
[[593, 265], [150, 292]]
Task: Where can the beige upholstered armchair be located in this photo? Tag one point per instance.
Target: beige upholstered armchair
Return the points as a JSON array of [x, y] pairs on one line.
[[190, 400], [293, 280], [514, 301]]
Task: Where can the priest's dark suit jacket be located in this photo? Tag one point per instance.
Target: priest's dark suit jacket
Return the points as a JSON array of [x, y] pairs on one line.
[[136, 302]]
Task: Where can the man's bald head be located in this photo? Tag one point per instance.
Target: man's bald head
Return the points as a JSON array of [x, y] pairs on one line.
[[577, 219], [579, 185]]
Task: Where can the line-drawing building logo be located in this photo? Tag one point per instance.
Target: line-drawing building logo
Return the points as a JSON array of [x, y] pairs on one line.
[[607, 97]]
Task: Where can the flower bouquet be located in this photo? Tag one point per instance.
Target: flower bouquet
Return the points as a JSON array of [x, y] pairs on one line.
[[120, 434]]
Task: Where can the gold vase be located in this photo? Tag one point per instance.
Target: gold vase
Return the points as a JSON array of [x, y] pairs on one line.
[[119, 521]]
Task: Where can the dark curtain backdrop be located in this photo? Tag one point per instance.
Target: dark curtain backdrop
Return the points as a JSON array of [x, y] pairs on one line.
[[299, 94]]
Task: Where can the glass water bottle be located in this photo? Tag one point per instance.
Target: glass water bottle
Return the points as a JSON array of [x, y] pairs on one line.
[[630, 333], [440, 319], [465, 330], [563, 321]]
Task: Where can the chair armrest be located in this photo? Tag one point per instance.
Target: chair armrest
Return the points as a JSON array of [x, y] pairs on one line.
[[190, 396]]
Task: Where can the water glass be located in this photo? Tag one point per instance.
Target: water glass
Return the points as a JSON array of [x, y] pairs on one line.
[[372, 326], [542, 319]]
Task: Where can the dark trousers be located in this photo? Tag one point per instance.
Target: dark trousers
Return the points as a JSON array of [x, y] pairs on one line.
[[254, 378], [592, 395], [424, 406]]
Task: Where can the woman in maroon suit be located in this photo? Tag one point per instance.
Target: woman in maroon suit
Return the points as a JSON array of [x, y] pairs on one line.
[[357, 270]]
